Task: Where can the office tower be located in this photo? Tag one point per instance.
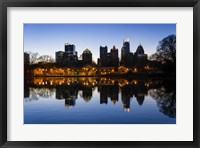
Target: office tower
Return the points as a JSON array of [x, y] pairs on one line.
[[70, 49], [140, 50], [125, 53], [103, 56], [114, 59], [126, 46], [141, 57], [87, 57], [59, 58], [68, 58]]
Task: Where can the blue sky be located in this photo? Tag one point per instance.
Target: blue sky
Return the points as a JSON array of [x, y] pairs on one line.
[[46, 39]]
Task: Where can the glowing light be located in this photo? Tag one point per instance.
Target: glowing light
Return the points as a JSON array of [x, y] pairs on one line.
[[135, 70], [135, 82]]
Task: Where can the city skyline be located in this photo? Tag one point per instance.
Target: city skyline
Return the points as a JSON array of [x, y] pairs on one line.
[[48, 38]]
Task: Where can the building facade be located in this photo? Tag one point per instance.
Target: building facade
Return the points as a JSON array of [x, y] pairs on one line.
[[127, 57], [26, 59], [103, 56], [110, 59], [87, 57], [141, 57], [69, 48], [67, 58], [125, 51], [114, 59], [59, 58]]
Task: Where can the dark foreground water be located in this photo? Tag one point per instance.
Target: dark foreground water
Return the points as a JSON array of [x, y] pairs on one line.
[[84, 100]]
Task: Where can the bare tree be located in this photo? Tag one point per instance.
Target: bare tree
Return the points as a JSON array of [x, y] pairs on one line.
[[166, 50], [46, 59], [33, 57]]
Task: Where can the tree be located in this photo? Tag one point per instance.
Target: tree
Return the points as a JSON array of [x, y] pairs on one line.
[[33, 57], [166, 50], [165, 97], [45, 59]]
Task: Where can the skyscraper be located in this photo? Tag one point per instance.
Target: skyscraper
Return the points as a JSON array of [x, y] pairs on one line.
[[68, 58], [114, 52], [59, 58], [114, 59], [141, 57], [140, 50], [87, 57], [126, 46], [125, 53], [103, 51], [103, 55], [69, 48]]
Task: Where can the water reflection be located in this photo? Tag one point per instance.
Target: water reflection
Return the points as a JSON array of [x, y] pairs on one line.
[[166, 101], [113, 89]]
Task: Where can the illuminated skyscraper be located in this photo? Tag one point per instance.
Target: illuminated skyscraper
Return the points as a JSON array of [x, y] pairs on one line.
[[125, 53], [126, 46]]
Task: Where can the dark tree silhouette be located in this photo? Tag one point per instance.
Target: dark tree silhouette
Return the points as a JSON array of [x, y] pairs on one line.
[[166, 50], [166, 102], [165, 97], [33, 57]]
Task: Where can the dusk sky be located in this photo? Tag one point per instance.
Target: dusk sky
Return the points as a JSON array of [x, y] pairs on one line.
[[46, 39]]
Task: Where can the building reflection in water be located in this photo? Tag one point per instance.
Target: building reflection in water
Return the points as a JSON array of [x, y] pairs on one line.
[[68, 89], [69, 93], [108, 91], [87, 93]]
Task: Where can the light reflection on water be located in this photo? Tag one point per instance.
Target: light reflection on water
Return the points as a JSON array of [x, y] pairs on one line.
[[87, 100]]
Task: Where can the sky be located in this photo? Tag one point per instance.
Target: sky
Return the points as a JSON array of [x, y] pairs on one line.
[[46, 39]]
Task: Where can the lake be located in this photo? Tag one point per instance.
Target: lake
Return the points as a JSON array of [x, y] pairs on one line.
[[98, 100]]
